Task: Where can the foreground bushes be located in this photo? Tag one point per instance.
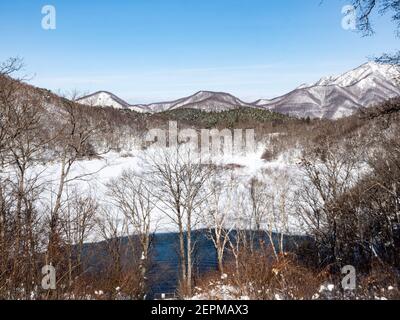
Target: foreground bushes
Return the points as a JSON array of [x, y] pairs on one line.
[[262, 278]]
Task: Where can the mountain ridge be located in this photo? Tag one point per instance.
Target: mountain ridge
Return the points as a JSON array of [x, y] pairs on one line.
[[330, 97]]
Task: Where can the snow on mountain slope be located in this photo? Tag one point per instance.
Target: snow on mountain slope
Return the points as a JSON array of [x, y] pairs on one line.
[[107, 99], [202, 100], [261, 102], [316, 102], [335, 97], [363, 75], [330, 97]]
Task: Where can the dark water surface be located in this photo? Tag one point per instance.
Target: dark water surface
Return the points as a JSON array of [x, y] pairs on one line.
[[164, 269]]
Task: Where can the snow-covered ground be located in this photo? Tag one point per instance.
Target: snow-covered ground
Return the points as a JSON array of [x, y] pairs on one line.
[[92, 176]]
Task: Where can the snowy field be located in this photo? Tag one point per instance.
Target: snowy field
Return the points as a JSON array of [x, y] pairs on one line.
[[91, 177]]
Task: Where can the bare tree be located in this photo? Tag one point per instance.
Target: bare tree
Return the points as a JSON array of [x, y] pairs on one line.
[[259, 206], [177, 181], [366, 9], [122, 273], [72, 142], [220, 211], [21, 144], [8, 89], [77, 224], [329, 173], [133, 198], [269, 209]]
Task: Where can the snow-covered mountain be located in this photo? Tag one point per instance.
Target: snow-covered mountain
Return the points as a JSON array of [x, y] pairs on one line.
[[107, 99], [335, 97], [363, 75], [203, 100], [330, 97]]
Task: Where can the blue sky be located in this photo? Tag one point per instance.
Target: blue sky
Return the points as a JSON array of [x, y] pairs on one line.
[[155, 50]]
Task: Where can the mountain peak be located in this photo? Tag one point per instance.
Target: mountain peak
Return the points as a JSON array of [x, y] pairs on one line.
[[331, 97], [202, 100], [104, 99], [369, 71], [208, 94]]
